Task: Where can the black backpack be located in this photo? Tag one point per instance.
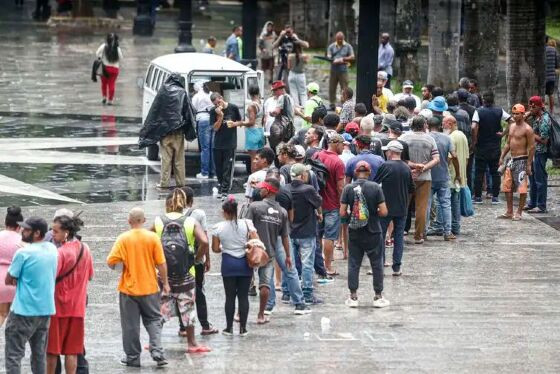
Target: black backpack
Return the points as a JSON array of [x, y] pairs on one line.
[[320, 170], [176, 249], [554, 139]]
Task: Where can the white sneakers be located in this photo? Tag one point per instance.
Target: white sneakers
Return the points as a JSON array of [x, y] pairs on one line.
[[352, 303], [381, 302]]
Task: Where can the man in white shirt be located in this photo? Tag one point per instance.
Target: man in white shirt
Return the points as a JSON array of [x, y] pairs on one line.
[[202, 104], [407, 92], [385, 56]]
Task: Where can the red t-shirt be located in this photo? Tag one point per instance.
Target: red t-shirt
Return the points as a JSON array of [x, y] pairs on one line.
[[71, 292], [335, 166]]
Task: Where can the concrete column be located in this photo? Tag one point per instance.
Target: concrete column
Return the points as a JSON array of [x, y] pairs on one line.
[[185, 26], [368, 43], [249, 22]]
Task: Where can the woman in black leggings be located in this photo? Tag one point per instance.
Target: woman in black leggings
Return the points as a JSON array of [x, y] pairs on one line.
[[230, 237]]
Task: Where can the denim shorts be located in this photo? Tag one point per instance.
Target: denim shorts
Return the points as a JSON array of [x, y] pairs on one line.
[[254, 138], [331, 224], [265, 274]]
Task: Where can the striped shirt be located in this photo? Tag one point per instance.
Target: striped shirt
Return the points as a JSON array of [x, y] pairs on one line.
[[551, 63], [422, 148]]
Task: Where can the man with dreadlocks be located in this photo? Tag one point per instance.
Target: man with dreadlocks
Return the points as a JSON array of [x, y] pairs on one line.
[[178, 233]]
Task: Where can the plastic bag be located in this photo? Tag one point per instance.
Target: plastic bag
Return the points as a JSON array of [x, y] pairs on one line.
[[466, 202]]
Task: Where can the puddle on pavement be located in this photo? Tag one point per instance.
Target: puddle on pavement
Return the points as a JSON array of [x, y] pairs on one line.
[[88, 183]]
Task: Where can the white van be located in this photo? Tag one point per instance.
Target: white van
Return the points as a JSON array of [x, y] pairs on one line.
[[227, 77]]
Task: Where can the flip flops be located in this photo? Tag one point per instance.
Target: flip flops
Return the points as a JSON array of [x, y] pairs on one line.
[[505, 216], [263, 321], [199, 349]]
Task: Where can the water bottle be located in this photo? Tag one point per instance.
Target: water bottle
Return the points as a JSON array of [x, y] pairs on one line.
[[325, 325]]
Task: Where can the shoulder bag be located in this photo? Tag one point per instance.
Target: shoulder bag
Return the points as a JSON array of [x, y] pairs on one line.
[[255, 254], [60, 278]]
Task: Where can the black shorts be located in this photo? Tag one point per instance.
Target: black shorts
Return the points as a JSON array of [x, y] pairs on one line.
[[549, 87]]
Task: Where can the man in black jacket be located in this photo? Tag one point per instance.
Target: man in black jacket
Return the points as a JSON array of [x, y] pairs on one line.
[[170, 120]]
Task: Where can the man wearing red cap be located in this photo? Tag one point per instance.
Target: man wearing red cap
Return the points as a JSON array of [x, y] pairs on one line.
[[521, 144], [539, 119], [283, 113]]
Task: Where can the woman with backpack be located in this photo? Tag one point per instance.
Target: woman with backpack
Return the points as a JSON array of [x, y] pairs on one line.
[[110, 55], [230, 237], [178, 233]]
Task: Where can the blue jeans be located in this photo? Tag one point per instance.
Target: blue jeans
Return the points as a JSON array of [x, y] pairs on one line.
[[443, 194], [306, 249], [455, 212], [290, 276], [319, 265], [205, 139], [539, 182], [398, 235]]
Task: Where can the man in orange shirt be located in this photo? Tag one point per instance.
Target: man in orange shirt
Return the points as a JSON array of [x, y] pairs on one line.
[[139, 251]]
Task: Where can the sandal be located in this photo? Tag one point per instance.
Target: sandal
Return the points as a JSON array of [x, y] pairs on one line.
[[209, 331], [199, 349], [505, 216], [263, 321], [333, 273], [516, 217]]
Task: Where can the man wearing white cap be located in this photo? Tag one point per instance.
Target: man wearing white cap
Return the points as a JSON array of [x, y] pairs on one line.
[[383, 78], [407, 87]]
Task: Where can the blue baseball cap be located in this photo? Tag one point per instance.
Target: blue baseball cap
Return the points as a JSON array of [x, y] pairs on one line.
[[347, 138], [438, 104]]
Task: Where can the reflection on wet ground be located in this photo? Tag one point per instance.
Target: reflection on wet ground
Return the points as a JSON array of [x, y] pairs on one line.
[[89, 160]]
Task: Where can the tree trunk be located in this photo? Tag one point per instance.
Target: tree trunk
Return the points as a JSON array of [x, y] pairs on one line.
[[407, 39], [310, 20], [444, 34], [525, 34], [342, 18], [481, 43], [82, 8]]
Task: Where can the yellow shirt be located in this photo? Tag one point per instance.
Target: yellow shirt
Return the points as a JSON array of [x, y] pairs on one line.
[[461, 146], [140, 251], [383, 101], [189, 232]]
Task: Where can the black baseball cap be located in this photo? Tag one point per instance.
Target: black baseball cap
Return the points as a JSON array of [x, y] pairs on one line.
[[34, 224], [395, 126]]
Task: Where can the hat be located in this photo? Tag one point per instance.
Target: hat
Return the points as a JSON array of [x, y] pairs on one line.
[[298, 169], [364, 139], [270, 184], [34, 224], [382, 75], [438, 104], [336, 138], [352, 127], [300, 151], [408, 84], [377, 119], [393, 145], [426, 113], [63, 212], [313, 88], [537, 101], [519, 108], [362, 166], [347, 138], [387, 118], [395, 126], [276, 85]]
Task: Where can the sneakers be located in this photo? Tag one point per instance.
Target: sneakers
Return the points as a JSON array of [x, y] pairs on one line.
[[477, 200], [253, 291], [285, 299], [352, 303], [268, 311], [133, 364], [418, 241], [302, 309], [495, 201], [449, 237], [397, 273], [227, 332], [314, 300], [380, 302], [161, 361], [325, 279], [104, 101], [434, 233], [201, 176], [244, 332], [109, 102]]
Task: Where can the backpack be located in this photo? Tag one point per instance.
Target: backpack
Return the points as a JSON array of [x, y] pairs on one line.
[[359, 216], [178, 255], [320, 104], [554, 139], [320, 170]]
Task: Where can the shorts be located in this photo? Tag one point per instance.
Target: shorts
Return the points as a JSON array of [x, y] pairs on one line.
[[180, 305], [515, 176], [267, 63], [254, 138], [549, 87], [331, 224], [265, 273], [66, 336]]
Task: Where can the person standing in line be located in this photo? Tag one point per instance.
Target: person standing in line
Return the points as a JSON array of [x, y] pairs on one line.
[[461, 145], [201, 267], [347, 111], [296, 75], [331, 196], [75, 271], [551, 64], [385, 56], [395, 179], [487, 135], [210, 45], [266, 50], [110, 55], [262, 163], [184, 243], [138, 252], [521, 144], [364, 154], [341, 54], [424, 155], [368, 238], [407, 88], [10, 242], [33, 272], [463, 96], [440, 181], [232, 44], [254, 133], [474, 99], [539, 119], [230, 238], [203, 105], [225, 141]]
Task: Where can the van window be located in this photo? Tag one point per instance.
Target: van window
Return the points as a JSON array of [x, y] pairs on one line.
[[148, 80], [157, 72]]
